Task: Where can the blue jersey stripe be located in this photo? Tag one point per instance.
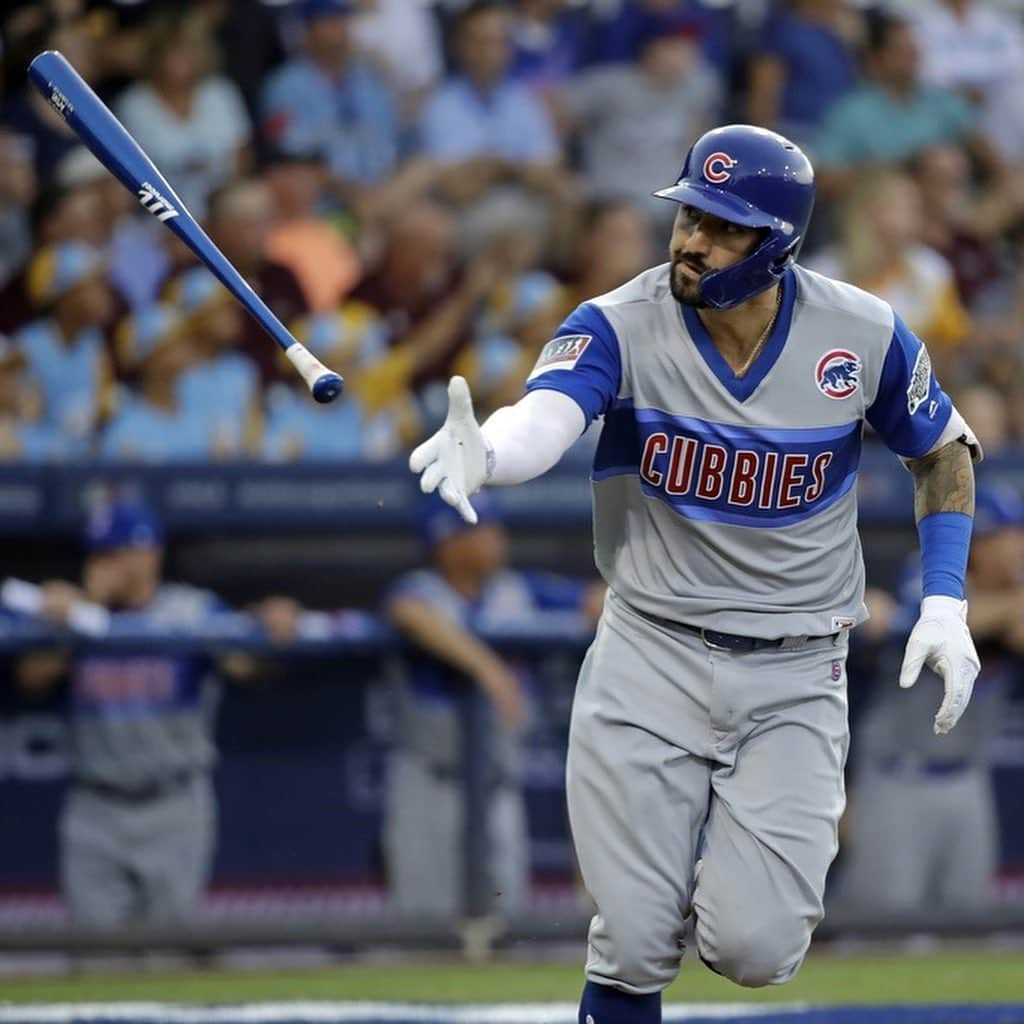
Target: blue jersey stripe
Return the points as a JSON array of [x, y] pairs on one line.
[[727, 473]]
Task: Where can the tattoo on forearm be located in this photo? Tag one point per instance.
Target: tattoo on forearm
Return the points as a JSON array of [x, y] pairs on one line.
[[943, 481]]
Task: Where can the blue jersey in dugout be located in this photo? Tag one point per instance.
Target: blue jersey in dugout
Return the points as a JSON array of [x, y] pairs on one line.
[[729, 502]]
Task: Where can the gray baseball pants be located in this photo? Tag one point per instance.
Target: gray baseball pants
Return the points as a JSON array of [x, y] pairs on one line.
[[708, 783], [137, 861]]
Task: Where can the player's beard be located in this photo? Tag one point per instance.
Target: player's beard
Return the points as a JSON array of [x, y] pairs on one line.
[[685, 290]]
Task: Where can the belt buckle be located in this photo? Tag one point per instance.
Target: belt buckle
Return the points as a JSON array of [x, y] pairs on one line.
[[710, 643]]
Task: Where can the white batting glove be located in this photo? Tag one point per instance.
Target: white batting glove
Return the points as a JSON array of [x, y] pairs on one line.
[[455, 461], [942, 640]]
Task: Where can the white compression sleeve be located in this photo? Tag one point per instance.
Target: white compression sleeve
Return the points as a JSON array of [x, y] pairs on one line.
[[528, 438]]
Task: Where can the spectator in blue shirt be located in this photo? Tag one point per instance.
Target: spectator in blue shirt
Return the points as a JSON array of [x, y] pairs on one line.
[[549, 40], [221, 388], [484, 128], [153, 424], [441, 610], [805, 61], [329, 99], [65, 348]]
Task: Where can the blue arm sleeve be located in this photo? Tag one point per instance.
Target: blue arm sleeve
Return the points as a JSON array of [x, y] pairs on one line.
[[582, 361], [910, 409], [945, 541]]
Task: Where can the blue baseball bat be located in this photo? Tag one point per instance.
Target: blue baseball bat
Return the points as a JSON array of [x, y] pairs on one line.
[[91, 120]]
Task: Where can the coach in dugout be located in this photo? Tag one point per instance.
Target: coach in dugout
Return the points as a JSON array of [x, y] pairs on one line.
[[441, 611], [137, 832]]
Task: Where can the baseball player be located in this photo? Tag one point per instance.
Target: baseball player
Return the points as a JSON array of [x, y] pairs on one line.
[[137, 831], [709, 731]]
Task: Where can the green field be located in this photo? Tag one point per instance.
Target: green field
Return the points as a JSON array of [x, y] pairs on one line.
[[967, 977]]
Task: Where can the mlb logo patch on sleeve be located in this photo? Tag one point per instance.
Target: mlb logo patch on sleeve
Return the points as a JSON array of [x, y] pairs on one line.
[[561, 353]]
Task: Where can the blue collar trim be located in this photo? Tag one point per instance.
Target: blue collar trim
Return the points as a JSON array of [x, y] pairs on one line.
[[741, 388]]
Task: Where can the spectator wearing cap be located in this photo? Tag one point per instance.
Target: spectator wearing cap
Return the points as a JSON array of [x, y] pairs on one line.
[[373, 419], [486, 130], [152, 423], [65, 348], [922, 828], [220, 389], [892, 116], [330, 98], [549, 43], [441, 610], [804, 61], [22, 437], [192, 122], [138, 827], [301, 238], [633, 120]]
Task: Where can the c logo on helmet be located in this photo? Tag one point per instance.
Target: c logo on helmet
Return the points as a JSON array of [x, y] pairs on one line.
[[717, 167]]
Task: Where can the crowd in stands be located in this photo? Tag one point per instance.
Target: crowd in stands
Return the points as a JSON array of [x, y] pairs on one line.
[[422, 187]]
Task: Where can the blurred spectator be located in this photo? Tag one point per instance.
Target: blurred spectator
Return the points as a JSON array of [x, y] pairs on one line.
[[22, 438], [969, 47], [65, 347], [368, 423], [619, 37], [26, 113], [635, 119], [880, 250], [333, 100], [191, 121], [240, 219], [549, 43], [493, 138], [404, 39], [965, 225], [426, 302], [137, 832], [58, 214], [220, 390], [892, 116], [985, 409], [804, 61], [303, 240], [17, 192], [923, 833], [440, 610], [152, 424]]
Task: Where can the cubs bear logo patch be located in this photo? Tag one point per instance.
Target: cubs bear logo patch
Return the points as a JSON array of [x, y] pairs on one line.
[[561, 353], [838, 373]]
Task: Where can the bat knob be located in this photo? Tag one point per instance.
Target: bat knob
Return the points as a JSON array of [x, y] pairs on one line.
[[327, 387]]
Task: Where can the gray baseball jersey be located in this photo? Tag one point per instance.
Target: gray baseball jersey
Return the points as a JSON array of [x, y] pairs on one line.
[[139, 719], [725, 501]]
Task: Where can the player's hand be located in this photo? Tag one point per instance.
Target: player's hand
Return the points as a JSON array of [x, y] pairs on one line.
[[59, 597], [941, 640], [454, 462], [503, 688]]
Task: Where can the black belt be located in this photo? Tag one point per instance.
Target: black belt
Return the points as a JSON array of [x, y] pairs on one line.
[[719, 641], [140, 794]]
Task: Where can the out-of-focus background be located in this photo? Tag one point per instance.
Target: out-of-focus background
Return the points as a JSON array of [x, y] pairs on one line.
[[254, 690]]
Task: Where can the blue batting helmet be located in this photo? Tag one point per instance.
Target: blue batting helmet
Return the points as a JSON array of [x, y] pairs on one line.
[[748, 176]]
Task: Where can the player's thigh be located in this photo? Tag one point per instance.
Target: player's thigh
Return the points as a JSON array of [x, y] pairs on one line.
[[175, 860], [95, 878], [772, 830], [423, 813], [636, 805]]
